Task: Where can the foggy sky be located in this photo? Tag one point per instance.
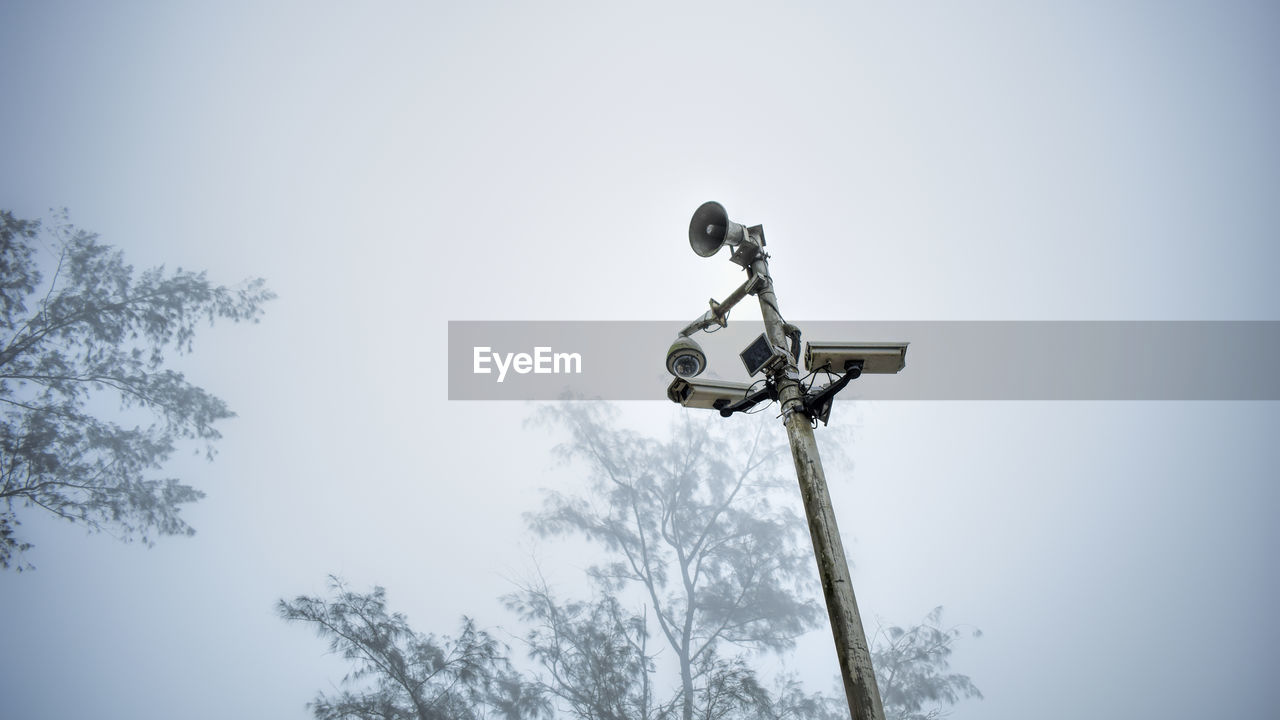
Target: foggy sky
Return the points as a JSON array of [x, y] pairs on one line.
[[390, 168]]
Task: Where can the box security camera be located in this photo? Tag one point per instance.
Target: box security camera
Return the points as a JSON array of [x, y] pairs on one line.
[[885, 358], [709, 394]]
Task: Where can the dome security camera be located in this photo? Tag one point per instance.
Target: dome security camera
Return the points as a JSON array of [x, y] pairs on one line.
[[685, 358]]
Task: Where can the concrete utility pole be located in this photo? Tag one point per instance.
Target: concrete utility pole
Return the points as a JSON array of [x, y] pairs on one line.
[[846, 623], [709, 231]]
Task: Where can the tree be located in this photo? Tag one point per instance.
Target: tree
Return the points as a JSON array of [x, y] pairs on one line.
[[691, 524], [95, 329], [413, 676], [594, 652], [694, 547], [912, 666]]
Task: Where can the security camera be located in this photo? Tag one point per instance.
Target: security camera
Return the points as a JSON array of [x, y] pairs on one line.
[[685, 358], [710, 394], [837, 357]]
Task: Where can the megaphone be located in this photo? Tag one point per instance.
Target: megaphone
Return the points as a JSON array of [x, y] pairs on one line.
[[711, 229]]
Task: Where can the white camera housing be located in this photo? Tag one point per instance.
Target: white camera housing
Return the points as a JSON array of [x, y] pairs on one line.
[[706, 393], [885, 358], [685, 358]]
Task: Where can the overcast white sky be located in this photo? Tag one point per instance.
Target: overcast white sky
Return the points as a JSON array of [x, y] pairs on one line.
[[389, 167]]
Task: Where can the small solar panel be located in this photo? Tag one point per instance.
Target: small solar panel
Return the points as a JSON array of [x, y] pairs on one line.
[[757, 354]]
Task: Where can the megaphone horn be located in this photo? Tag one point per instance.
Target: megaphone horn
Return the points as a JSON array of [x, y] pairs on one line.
[[710, 229]]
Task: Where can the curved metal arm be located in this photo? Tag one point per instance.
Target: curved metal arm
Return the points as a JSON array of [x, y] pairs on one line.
[[818, 405], [719, 312], [768, 392]]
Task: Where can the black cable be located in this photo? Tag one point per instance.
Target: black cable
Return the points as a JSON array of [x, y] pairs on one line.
[[774, 305], [768, 279], [824, 369], [808, 387]]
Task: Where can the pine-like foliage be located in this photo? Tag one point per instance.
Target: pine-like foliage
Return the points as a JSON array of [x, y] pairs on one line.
[[81, 332], [912, 665], [401, 674], [594, 654]]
